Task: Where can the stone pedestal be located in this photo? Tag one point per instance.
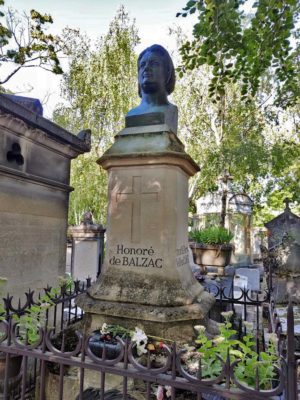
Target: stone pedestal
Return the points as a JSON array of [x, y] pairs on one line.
[[146, 279]]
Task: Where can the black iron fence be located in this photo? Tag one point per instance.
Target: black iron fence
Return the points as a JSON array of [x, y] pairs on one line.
[[62, 308], [48, 356]]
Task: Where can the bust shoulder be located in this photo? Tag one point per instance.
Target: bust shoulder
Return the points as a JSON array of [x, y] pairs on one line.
[[163, 114], [141, 109]]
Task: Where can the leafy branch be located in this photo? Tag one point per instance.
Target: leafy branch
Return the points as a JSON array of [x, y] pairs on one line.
[[24, 42]]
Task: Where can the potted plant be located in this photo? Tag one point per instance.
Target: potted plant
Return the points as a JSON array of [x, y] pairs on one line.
[[211, 247]]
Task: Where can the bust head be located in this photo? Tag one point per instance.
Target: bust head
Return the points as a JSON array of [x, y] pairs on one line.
[[155, 71]]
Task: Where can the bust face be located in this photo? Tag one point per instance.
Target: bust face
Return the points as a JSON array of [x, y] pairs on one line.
[[151, 73]]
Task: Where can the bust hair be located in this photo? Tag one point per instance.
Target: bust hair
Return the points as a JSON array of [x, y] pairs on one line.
[[168, 66]]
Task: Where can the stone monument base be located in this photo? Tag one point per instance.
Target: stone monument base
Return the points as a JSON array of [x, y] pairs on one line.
[[173, 323]]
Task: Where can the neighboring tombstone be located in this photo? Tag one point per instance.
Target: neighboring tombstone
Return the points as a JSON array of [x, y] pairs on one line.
[[240, 284], [35, 160], [284, 239], [252, 275], [87, 249], [147, 280], [239, 222]]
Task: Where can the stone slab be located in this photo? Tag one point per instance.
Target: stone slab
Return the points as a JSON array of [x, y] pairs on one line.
[[253, 276], [150, 313], [32, 235], [86, 259]]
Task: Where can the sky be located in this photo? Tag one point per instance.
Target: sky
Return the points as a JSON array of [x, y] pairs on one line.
[[153, 20]]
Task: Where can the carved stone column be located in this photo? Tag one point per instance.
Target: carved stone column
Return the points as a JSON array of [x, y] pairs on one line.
[[146, 278]]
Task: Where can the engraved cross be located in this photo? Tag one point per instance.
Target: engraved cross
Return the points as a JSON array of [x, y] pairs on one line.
[[135, 197]]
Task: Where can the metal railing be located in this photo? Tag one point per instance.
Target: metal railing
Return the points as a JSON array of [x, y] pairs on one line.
[[171, 373]]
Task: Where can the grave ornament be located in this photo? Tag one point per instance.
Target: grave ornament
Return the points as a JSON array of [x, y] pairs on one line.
[[146, 279]]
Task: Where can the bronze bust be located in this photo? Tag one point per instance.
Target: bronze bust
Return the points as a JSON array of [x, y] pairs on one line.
[[156, 80]]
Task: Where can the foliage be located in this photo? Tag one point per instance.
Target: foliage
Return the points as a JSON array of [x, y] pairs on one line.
[[66, 281], [99, 88], [250, 362], [34, 318], [257, 144], [211, 235], [24, 42], [241, 49], [233, 141]]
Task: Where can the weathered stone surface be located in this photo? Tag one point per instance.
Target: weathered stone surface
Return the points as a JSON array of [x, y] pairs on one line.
[[146, 312], [146, 278], [173, 323], [286, 288], [88, 249], [284, 241], [34, 192], [30, 103], [147, 250]]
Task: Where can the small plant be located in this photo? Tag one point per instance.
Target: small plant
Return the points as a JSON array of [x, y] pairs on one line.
[[250, 362], [34, 318], [66, 281], [214, 235]]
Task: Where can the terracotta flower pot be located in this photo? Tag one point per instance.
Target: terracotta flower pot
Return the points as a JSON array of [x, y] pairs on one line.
[[212, 255]]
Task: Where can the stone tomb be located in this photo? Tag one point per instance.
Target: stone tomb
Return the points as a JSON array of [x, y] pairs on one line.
[[146, 278], [35, 162], [284, 238], [87, 249]]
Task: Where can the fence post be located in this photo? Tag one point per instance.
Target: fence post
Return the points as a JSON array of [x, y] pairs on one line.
[[291, 359]]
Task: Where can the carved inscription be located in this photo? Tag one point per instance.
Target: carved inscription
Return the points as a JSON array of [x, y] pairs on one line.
[[136, 257], [182, 256]]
